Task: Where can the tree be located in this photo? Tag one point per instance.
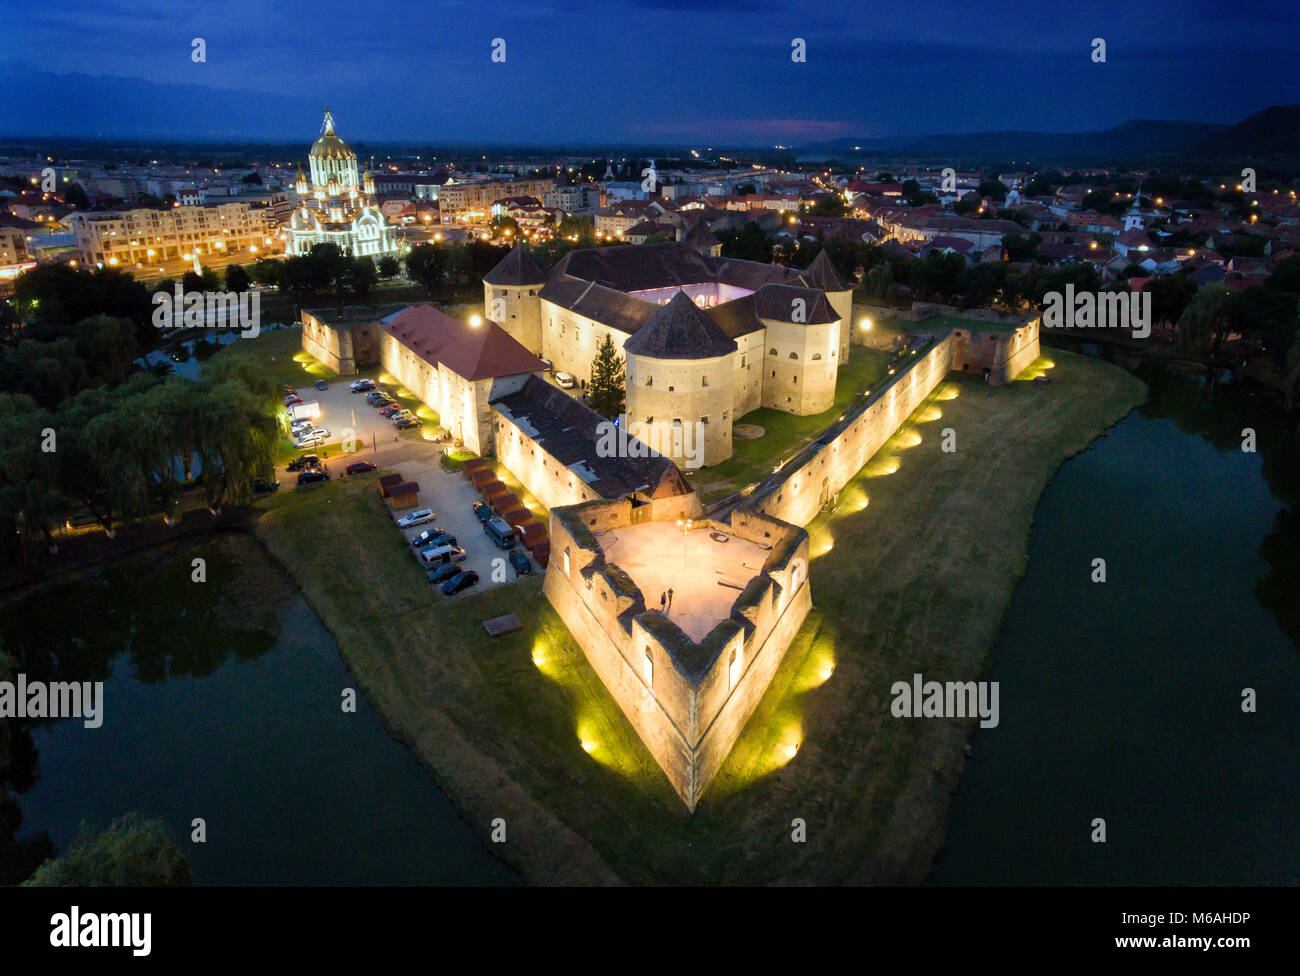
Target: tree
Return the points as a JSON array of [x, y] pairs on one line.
[[361, 277], [132, 852], [993, 189], [1203, 323], [75, 196], [1169, 296], [426, 264], [389, 267], [237, 278], [605, 390]]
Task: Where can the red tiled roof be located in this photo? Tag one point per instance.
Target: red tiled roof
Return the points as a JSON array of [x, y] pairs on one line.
[[472, 352]]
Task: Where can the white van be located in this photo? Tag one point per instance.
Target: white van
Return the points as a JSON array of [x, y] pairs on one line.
[[437, 556]]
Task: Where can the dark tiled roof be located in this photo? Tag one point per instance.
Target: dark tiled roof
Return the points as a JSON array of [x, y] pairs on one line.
[[777, 302], [599, 303], [700, 236], [821, 273], [516, 268], [472, 352], [570, 432], [736, 318], [680, 330]]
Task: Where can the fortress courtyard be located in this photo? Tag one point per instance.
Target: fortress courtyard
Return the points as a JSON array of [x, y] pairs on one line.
[[705, 567]]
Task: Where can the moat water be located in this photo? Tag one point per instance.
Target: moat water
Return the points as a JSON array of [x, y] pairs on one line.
[[1123, 700], [243, 727]]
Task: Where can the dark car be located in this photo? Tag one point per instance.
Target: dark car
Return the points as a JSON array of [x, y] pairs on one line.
[[360, 467], [520, 562], [443, 573], [312, 476], [304, 461], [441, 538], [322, 385], [391, 409], [459, 582], [261, 485], [292, 401], [482, 511], [406, 423], [423, 540]]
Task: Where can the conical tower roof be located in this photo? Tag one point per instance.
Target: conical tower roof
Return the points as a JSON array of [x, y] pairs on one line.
[[680, 330], [822, 274], [518, 267]]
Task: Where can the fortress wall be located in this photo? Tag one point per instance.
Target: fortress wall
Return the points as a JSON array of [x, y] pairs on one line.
[[517, 311], [797, 493], [550, 482], [331, 346], [720, 736], [688, 724]]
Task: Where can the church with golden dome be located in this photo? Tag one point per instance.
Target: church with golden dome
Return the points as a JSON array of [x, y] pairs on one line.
[[337, 206]]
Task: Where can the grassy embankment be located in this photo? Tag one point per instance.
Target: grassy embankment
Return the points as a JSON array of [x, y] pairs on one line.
[[785, 434], [917, 580]]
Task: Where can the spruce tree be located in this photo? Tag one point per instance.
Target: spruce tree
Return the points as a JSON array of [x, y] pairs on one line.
[[605, 391]]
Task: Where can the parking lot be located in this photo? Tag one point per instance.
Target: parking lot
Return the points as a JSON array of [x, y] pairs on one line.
[[347, 415], [452, 498], [415, 456]]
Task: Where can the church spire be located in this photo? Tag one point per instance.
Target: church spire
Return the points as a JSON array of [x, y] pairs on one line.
[[328, 125]]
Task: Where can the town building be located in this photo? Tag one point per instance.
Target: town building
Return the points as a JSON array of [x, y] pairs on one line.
[[144, 236]]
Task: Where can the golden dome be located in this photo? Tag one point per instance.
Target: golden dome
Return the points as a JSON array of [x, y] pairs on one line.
[[330, 145]]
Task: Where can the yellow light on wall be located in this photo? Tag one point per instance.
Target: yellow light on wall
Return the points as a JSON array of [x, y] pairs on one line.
[[865, 325]]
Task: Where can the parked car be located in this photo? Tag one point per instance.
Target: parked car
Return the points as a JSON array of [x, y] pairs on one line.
[[440, 554], [292, 401], [390, 410], [401, 414], [361, 467], [546, 363], [361, 386], [312, 475], [499, 531], [457, 553], [520, 561], [442, 538], [482, 511], [309, 440], [419, 517], [261, 485], [459, 582], [565, 381], [423, 540], [304, 461], [406, 423], [322, 385], [289, 390], [443, 573]]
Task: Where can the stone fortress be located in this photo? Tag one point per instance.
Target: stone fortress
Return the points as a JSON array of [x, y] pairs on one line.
[[703, 337], [706, 339]]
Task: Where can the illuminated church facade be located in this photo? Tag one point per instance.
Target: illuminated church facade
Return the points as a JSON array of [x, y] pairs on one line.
[[337, 206]]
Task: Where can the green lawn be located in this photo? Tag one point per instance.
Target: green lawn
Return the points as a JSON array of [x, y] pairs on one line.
[[913, 572], [933, 323], [784, 433]]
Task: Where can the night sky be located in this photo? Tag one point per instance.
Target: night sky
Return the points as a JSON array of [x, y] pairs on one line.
[[628, 71]]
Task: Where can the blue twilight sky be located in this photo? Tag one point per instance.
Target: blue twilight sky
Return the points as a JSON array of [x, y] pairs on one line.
[[712, 71]]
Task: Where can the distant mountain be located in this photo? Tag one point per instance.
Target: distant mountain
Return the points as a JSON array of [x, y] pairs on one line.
[[1272, 131], [1137, 137]]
